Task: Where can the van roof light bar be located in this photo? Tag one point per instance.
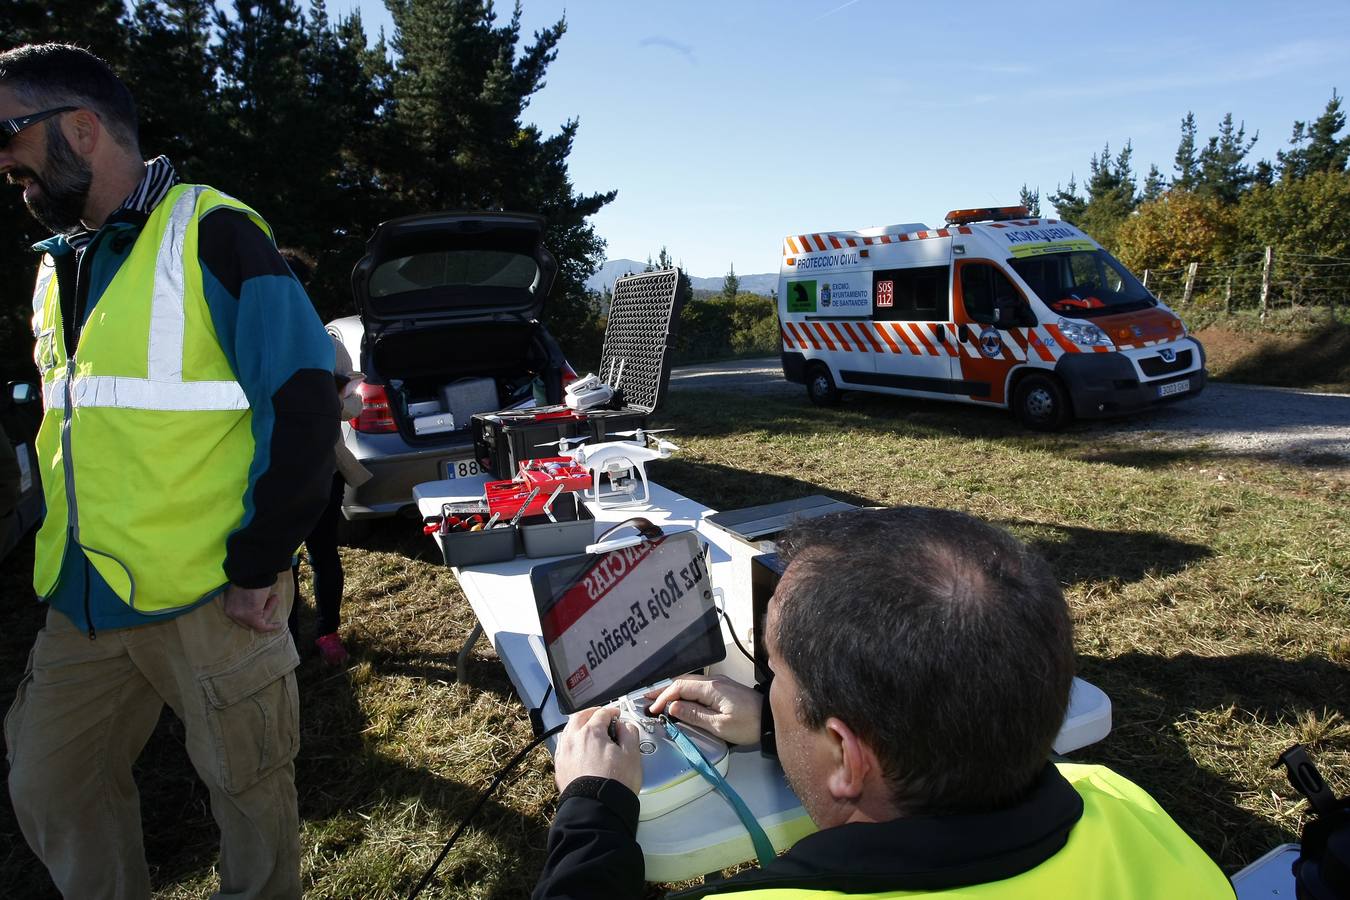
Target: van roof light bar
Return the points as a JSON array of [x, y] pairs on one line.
[[986, 214]]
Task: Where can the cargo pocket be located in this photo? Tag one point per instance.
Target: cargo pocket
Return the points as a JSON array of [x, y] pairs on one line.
[[253, 713], [15, 713]]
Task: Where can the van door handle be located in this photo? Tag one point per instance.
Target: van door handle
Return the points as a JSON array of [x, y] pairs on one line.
[[962, 333]]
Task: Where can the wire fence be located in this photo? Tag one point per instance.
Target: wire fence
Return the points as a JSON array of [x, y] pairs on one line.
[[1262, 280]]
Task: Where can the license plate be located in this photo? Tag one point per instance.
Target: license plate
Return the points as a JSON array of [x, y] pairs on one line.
[[1176, 387], [462, 468]]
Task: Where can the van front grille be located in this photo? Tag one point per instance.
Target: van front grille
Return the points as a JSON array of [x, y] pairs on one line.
[[1154, 366]]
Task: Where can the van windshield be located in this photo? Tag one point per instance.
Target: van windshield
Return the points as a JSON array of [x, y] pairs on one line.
[[1083, 283]]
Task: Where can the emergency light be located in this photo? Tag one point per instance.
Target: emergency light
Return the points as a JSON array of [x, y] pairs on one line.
[[986, 214]]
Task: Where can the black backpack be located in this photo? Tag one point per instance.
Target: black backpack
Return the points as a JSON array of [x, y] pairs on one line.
[[1322, 871]]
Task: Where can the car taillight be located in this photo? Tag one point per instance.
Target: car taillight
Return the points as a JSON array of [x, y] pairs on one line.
[[376, 416]]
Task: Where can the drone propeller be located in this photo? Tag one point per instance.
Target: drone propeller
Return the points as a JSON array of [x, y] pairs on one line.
[[564, 443], [641, 433], [666, 446]]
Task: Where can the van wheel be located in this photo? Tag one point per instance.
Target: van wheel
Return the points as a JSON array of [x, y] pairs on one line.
[[820, 387], [1040, 403]]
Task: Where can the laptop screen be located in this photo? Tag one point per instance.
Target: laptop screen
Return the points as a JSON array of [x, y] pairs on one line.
[[618, 621]]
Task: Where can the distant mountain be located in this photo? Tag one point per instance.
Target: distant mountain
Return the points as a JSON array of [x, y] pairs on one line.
[[615, 269]]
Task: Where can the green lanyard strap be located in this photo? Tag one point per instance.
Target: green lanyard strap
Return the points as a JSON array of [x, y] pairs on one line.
[[763, 846]]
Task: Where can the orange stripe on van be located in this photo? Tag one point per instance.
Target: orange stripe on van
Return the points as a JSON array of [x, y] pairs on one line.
[[853, 335], [964, 229], [796, 336], [917, 331], [1042, 351], [788, 342], [829, 344], [881, 330], [901, 333], [843, 341], [866, 329], [806, 335], [852, 242], [792, 245], [1100, 349], [835, 243], [1068, 345], [819, 243], [939, 335]]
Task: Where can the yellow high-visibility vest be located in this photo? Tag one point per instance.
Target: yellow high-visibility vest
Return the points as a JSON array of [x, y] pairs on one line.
[[1125, 847], [146, 438]]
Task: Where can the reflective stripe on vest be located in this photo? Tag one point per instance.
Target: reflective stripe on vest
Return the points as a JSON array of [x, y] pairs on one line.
[[134, 438], [1125, 847]]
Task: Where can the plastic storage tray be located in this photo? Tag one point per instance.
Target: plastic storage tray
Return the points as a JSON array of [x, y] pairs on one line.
[[570, 535], [476, 548]]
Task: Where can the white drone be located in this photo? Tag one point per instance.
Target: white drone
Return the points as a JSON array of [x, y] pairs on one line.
[[621, 463]]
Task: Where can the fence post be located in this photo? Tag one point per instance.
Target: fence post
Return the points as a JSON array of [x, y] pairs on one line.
[[1228, 296], [1146, 278], [1190, 284], [1265, 281]]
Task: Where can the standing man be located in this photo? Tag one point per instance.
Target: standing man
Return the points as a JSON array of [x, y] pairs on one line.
[[186, 449], [922, 662]]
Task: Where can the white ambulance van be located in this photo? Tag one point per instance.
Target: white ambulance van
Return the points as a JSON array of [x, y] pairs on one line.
[[996, 309]]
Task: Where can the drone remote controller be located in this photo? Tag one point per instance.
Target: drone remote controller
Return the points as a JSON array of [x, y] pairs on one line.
[[668, 780]]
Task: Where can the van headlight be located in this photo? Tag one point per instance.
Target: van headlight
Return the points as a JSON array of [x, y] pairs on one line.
[[1084, 334]]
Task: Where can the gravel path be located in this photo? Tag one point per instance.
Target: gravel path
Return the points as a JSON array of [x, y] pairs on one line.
[[1234, 418]]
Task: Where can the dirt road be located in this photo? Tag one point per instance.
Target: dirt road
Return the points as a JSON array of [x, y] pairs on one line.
[[1241, 419]]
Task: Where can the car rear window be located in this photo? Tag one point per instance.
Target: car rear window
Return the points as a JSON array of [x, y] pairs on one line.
[[454, 269]]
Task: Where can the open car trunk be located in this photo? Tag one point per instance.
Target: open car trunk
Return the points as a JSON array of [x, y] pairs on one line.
[[457, 370], [450, 305]]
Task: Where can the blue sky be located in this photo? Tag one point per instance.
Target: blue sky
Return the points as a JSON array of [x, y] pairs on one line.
[[725, 126]]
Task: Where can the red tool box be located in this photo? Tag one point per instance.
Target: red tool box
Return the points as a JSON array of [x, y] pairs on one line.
[[539, 481]]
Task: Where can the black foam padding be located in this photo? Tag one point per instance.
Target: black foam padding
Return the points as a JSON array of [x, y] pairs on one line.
[[638, 338]]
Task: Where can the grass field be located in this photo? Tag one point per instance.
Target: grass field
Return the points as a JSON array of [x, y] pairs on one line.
[[1209, 593]]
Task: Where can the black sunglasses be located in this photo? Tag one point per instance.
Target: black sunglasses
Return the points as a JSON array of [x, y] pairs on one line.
[[11, 127]]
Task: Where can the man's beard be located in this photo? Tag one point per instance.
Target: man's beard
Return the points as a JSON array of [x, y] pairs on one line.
[[63, 189]]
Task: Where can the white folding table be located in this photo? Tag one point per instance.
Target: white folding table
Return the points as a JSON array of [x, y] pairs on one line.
[[705, 835]]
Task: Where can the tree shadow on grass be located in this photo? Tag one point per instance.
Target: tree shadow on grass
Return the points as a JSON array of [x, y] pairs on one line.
[[1151, 694], [1318, 357], [725, 488], [1088, 554]]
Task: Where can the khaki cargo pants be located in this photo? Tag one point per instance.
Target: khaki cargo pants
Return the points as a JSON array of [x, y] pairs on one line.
[[85, 710]]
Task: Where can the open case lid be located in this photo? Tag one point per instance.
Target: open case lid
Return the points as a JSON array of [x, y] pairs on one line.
[[635, 359], [625, 618]]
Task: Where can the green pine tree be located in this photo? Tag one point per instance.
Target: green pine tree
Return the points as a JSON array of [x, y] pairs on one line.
[[1185, 164], [731, 285], [1031, 199], [1316, 147], [1223, 171]]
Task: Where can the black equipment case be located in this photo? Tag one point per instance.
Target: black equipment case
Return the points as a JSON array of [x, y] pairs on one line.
[[634, 361]]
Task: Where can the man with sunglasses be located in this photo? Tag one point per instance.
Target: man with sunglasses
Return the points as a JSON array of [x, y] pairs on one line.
[[185, 449]]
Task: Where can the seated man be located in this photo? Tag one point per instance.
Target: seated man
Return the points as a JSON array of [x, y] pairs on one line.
[[921, 669]]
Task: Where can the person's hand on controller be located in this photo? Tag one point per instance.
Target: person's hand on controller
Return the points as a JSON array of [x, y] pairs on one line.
[[585, 747], [718, 705]]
